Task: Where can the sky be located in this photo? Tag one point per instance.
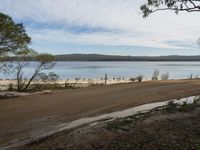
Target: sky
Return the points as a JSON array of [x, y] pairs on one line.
[[114, 27]]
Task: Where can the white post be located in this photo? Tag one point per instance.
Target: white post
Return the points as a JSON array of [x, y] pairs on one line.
[[106, 78]]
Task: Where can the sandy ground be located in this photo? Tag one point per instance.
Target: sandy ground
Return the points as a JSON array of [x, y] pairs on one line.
[[156, 131], [23, 116], [4, 84]]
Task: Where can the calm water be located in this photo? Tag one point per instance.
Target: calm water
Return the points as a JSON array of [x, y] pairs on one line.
[[71, 70]]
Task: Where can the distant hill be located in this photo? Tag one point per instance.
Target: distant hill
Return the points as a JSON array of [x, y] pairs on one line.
[[98, 57]]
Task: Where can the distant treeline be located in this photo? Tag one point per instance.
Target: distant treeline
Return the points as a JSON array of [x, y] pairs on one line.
[[98, 57]]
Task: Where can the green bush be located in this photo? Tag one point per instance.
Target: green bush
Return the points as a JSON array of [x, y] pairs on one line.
[[140, 78]]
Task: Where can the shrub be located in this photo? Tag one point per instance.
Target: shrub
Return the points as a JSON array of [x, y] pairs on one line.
[[185, 107], [10, 87], [132, 79], [191, 76], [43, 77], [140, 78], [171, 106], [91, 83], [165, 76], [53, 77], [155, 75]]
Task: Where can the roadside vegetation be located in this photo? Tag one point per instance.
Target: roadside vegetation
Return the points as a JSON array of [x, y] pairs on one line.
[[171, 107]]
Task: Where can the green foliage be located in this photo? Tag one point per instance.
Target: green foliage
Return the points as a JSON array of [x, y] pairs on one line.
[[12, 36], [140, 78], [119, 123], [171, 106], [43, 62], [132, 79], [14, 40], [184, 107], [45, 57], [181, 5], [26, 52]]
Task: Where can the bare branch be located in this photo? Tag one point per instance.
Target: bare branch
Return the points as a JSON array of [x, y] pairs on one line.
[[175, 5]]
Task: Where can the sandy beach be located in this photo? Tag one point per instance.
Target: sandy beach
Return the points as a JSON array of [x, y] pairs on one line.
[[4, 84], [21, 117]]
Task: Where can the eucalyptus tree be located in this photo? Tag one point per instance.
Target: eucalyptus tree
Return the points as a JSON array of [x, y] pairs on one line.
[[14, 45], [12, 35], [176, 5], [22, 60], [152, 6]]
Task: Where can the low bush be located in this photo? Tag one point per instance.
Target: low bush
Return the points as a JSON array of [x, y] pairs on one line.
[[155, 75], [11, 87], [132, 79], [165, 76], [140, 78]]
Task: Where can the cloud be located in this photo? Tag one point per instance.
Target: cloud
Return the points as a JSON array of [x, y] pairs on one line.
[[106, 22], [99, 38]]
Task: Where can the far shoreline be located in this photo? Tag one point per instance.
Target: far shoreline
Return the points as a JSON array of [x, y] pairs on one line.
[[119, 58]]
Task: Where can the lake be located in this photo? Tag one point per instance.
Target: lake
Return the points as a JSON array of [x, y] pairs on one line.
[[97, 69]]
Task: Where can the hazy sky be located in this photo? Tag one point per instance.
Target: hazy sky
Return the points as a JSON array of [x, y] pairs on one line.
[[104, 26]]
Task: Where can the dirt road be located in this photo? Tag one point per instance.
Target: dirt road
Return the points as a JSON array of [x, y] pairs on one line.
[[22, 116]]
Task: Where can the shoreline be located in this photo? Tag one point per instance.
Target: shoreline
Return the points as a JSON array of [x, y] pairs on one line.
[[4, 83]]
